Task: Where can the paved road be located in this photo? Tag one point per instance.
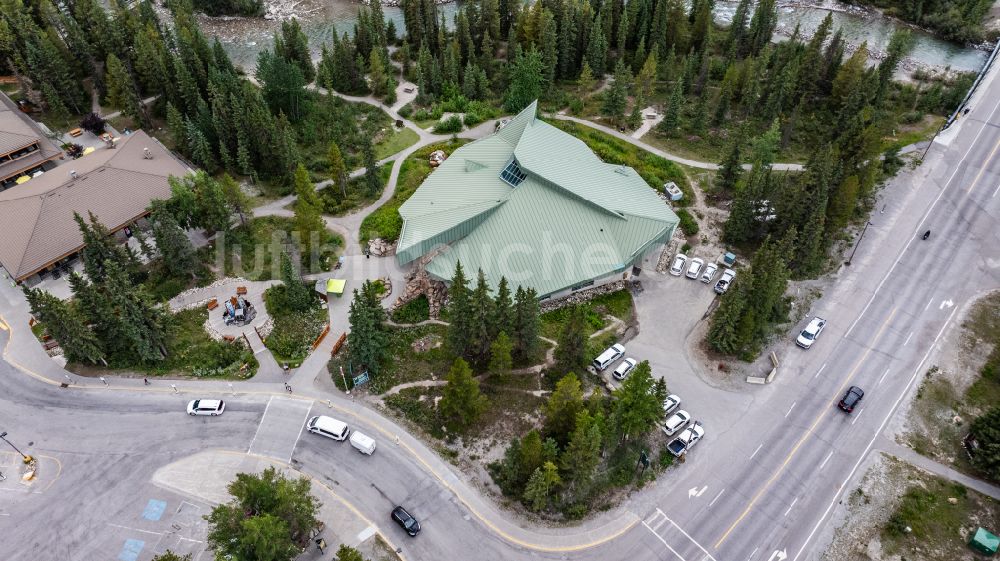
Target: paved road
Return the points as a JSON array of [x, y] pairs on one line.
[[768, 482]]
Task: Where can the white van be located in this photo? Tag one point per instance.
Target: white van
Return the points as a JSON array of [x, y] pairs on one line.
[[328, 427], [613, 353], [363, 443]]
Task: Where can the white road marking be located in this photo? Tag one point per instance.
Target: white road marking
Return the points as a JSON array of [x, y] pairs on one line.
[[135, 529], [791, 506], [663, 541], [366, 533], [883, 377], [929, 302], [907, 341], [695, 492], [308, 411], [259, 424], [759, 446], [899, 257], [825, 460], [790, 409], [752, 554], [860, 411], [688, 536], [820, 370], [716, 497], [946, 304], [864, 454], [997, 191]]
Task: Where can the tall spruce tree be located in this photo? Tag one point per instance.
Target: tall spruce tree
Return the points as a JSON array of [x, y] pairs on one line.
[[64, 323], [368, 339], [525, 324], [178, 253], [459, 311], [461, 403]]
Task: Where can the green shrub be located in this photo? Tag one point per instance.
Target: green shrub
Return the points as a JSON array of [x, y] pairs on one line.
[[688, 224], [576, 106], [685, 248], [406, 110], [414, 311], [472, 119], [449, 125]]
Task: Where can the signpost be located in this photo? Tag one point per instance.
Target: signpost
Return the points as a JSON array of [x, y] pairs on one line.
[[361, 378]]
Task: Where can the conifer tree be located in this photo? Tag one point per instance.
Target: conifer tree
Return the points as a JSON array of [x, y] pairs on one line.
[[64, 323], [459, 309], [122, 92], [672, 116], [637, 408], [582, 456], [373, 181], [597, 49], [338, 171], [503, 308], [482, 314], [501, 360], [309, 223], [177, 252], [616, 97], [730, 169], [461, 403], [562, 408], [298, 296], [100, 250], [526, 81], [525, 324], [368, 339], [541, 485], [570, 353]]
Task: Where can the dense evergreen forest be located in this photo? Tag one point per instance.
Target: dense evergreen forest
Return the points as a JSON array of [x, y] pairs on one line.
[[955, 20], [230, 7]]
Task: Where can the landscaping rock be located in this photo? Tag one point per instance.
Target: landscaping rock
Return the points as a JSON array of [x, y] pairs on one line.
[[379, 247], [419, 282], [582, 296]]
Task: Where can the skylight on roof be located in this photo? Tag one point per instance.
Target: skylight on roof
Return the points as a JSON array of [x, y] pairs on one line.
[[512, 174]]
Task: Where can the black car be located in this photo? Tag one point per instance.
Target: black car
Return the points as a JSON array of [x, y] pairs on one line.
[[406, 521], [851, 399]]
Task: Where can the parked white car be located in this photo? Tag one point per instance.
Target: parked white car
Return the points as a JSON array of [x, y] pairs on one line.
[[624, 368], [709, 273], [611, 354], [694, 269], [727, 279], [670, 403], [211, 407], [676, 422], [809, 335], [678, 267]]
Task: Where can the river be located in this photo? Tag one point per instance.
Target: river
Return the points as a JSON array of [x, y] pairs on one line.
[[243, 38]]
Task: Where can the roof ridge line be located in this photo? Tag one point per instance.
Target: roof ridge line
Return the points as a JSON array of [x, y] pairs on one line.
[[31, 237]]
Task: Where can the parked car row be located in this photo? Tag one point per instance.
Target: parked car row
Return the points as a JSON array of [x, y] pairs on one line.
[[696, 268], [679, 420], [609, 357]]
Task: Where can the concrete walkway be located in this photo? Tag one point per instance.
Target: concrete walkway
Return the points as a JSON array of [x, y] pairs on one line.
[[910, 456]]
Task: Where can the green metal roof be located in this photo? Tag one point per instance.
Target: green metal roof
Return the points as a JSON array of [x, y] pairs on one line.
[[574, 218]]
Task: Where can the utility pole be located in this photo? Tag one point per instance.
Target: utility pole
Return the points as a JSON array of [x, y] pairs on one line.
[[851, 258], [25, 457]]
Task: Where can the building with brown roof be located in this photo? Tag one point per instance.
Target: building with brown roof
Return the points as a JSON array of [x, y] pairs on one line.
[[37, 229], [24, 148]]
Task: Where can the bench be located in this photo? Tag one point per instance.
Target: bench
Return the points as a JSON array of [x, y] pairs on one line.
[[241, 290], [213, 304], [49, 345], [76, 132]]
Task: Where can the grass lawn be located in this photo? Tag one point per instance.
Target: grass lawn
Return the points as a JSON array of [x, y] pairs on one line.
[[617, 304], [252, 251], [396, 142], [653, 169], [939, 530], [385, 222], [911, 134], [357, 198], [162, 286]]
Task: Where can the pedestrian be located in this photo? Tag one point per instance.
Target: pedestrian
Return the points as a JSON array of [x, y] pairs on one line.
[[288, 388], [145, 381]]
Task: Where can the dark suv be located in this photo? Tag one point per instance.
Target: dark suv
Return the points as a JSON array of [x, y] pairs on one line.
[[851, 399], [406, 521]]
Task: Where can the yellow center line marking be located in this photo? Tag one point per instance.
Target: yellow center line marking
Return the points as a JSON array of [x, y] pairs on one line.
[[808, 432], [983, 169]]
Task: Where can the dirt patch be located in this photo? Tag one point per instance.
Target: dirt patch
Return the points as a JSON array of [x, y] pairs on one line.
[[426, 343], [899, 513], [952, 392]]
